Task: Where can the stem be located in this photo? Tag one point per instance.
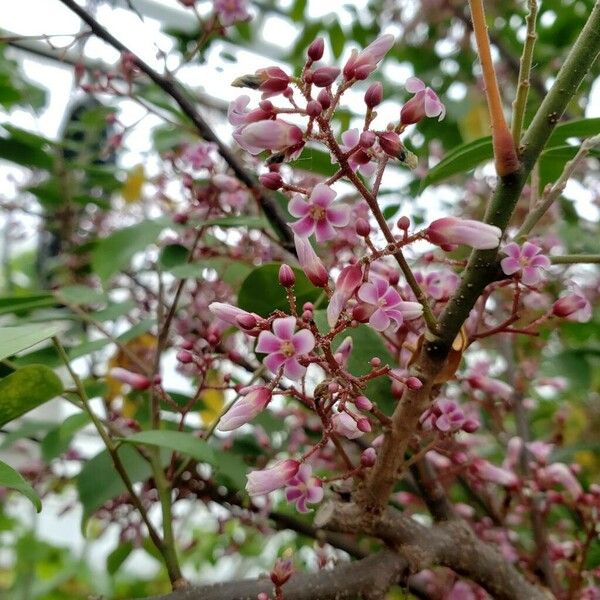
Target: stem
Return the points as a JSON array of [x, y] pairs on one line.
[[520, 102], [172, 568], [550, 196], [576, 259], [504, 149]]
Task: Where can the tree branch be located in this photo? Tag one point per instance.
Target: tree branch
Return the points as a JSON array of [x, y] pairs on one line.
[[368, 578], [173, 89]]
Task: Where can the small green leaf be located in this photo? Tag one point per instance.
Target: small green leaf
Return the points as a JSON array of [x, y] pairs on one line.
[[81, 294], [179, 441], [315, 161], [337, 38], [15, 339], [173, 255], [262, 293], [57, 440], [26, 388], [240, 221], [114, 252], [118, 556], [11, 479]]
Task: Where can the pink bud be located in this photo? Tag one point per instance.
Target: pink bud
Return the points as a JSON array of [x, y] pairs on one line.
[[268, 480], [368, 457], [268, 135], [574, 306], [374, 95], [282, 571], [325, 76], [184, 357], [403, 223], [309, 261], [246, 408], [324, 99], [362, 227], [135, 380], [314, 108], [316, 49], [390, 143], [246, 321], [227, 312], [271, 180], [363, 403], [451, 230], [286, 276], [414, 383], [367, 139]]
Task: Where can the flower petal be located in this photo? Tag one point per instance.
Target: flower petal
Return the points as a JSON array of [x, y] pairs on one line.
[[510, 265], [379, 320], [324, 231], [274, 361], [368, 293], [298, 207], [293, 369], [339, 216], [284, 328], [268, 343], [304, 227], [322, 195], [303, 341], [414, 85]]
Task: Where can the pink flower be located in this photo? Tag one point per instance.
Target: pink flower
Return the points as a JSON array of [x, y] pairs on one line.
[[444, 415], [231, 11], [268, 480], [461, 590], [317, 215], [274, 135], [559, 473], [283, 346], [424, 103], [246, 408], [388, 304], [303, 489], [489, 472], [358, 160], [450, 230], [238, 115], [345, 425], [525, 260], [361, 64], [309, 261], [273, 81], [489, 385], [440, 285], [574, 306], [135, 380], [199, 156], [345, 286]]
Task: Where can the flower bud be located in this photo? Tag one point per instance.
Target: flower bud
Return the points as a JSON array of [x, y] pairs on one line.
[[414, 383], [362, 227], [271, 180], [311, 264], [314, 108], [451, 230], [368, 457], [286, 276], [403, 223], [135, 380], [185, 357], [374, 95], [316, 49], [325, 76], [324, 99], [364, 425], [367, 139], [363, 403], [390, 143]]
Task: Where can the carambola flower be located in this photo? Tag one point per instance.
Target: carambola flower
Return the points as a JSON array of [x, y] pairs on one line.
[[268, 480], [303, 489], [526, 260]]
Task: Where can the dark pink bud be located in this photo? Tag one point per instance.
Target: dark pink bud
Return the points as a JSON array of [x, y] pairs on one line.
[[282, 571], [375, 362], [403, 223], [271, 180], [363, 403], [185, 357], [361, 313], [246, 321], [324, 99], [309, 261], [368, 457], [316, 49], [286, 276], [374, 95], [135, 380], [394, 278], [187, 344], [314, 108], [308, 306], [180, 218], [367, 139], [390, 143], [362, 227], [414, 383], [470, 425], [325, 76], [364, 425]]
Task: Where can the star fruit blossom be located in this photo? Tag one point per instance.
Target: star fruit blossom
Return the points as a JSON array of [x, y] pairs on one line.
[[317, 215], [283, 347], [388, 304], [526, 260], [268, 480], [231, 11], [303, 489], [254, 400], [425, 103], [361, 64], [350, 139]]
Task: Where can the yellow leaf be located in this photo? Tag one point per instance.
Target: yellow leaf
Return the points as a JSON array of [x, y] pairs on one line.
[[132, 188], [213, 399], [476, 122]]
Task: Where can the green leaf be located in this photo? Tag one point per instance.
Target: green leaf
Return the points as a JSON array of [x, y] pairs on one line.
[[118, 556], [26, 388], [468, 156], [366, 343], [11, 479], [298, 9], [99, 482], [81, 294], [337, 38], [240, 221], [25, 149], [173, 255], [314, 161], [57, 440], [15, 339], [22, 303], [262, 293], [179, 441], [114, 252]]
